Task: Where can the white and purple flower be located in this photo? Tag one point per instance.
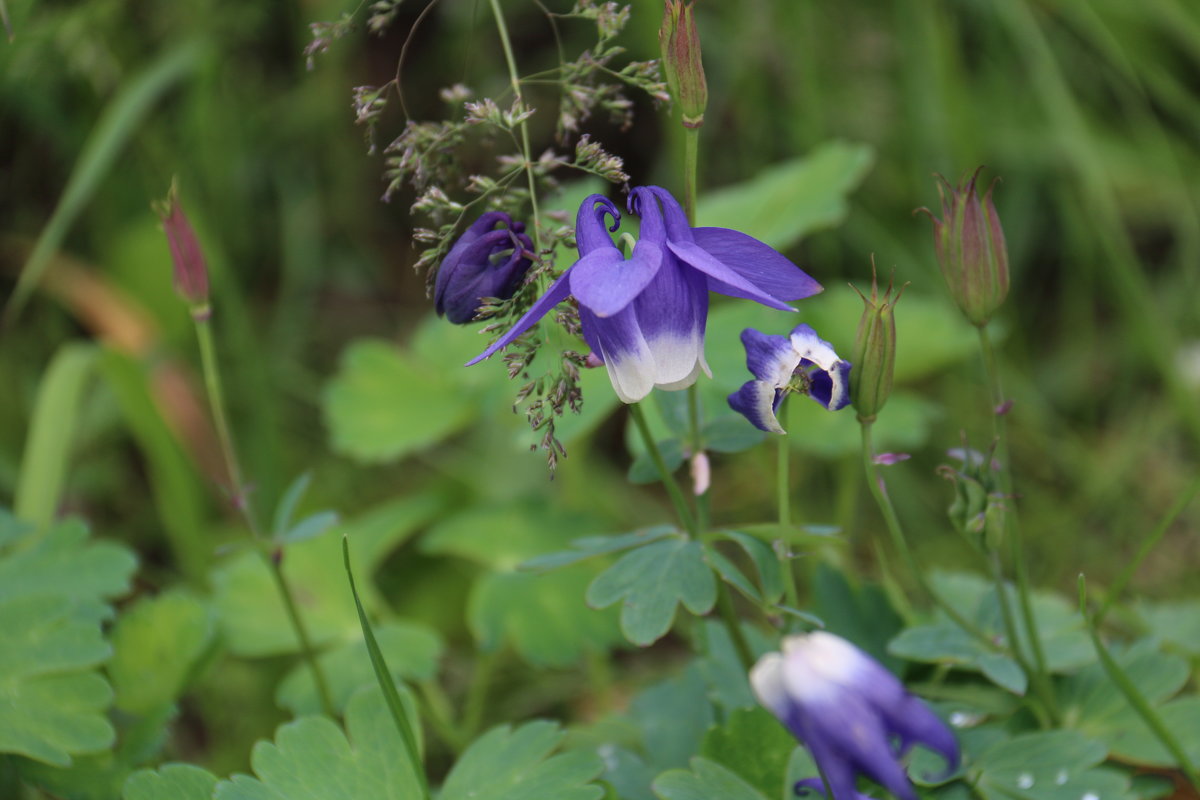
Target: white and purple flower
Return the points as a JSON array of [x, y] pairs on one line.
[[645, 316], [800, 362], [853, 715]]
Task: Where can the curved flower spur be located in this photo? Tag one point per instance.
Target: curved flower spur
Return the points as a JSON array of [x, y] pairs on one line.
[[645, 316], [853, 715]]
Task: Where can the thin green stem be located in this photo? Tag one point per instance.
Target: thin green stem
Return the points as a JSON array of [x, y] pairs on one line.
[[1037, 679], [900, 541], [783, 496], [733, 625], [438, 714], [526, 151], [1149, 544], [1139, 703], [1012, 525], [481, 681], [681, 508], [216, 401], [691, 155]]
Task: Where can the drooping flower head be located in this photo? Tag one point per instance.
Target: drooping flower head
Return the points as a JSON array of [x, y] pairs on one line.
[[486, 261], [645, 316], [801, 362], [853, 715]]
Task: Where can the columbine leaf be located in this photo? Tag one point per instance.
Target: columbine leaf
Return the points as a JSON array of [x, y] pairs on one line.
[[286, 509], [652, 581], [591, 546], [516, 764], [52, 588], [412, 652], [755, 746], [673, 716], [171, 782], [1054, 765], [707, 780], [312, 759]]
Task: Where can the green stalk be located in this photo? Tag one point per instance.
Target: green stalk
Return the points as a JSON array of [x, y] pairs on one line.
[[691, 155], [733, 624], [1150, 542], [1012, 524], [681, 507], [481, 680], [526, 151], [216, 401], [783, 497], [1136, 700]]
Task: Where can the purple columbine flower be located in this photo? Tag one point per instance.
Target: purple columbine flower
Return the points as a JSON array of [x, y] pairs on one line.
[[854, 715], [486, 261], [800, 362], [645, 316]]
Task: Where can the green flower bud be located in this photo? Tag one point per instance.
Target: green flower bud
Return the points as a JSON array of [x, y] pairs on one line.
[[970, 249], [874, 350], [681, 62]]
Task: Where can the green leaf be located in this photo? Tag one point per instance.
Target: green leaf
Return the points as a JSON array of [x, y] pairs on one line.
[[52, 592], [673, 716], [591, 546], [792, 198], [502, 536], [1054, 765], [411, 650], [731, 433], [543, 616], [171, 782], [312, 759], [516, 764], [728, 683], [286, 509], [1177, 623], [310, 527], [643, 470], [707, 780], [156, 644], [384, 405], [770, 574], [250, 612], [652, 581], [121, 118], [753, 745], [860, 614], [51, 433]]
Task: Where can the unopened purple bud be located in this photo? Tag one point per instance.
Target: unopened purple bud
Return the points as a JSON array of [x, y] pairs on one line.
[[190, 270], [887, 459], [486, 261], [682, 65], [970, 248]]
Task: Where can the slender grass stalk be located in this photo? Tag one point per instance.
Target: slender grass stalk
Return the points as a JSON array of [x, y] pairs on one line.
[[526, 150], [681, 507], [1136, 700], [1148, 545], [241, 499], [1012, 524]]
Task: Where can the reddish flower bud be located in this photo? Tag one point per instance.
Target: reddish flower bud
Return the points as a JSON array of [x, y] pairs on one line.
[[682, 66], [970, 249], [191, 273]]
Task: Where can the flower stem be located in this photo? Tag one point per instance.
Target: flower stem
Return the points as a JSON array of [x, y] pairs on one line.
[[241, 500], [526, 151], [900, 541], [1136, 700], [733, 625], [691, 155], [681, 508], [1012, 524], [783, 496]]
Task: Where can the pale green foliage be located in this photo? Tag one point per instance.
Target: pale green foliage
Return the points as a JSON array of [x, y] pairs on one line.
[[516, 764], [171, 782], [52, 591]]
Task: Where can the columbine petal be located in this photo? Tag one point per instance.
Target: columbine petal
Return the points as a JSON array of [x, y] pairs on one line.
[[722, 279], [627, 357], [590, 231], [757, 402], [757, 262], [606, 283], [671, 313], [557, 292], [769, 357], [831, 388]]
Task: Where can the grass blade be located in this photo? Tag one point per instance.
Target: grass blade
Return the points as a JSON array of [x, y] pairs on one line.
[[384, 676]]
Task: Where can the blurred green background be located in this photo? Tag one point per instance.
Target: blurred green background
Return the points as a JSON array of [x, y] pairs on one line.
[[1089, 111]]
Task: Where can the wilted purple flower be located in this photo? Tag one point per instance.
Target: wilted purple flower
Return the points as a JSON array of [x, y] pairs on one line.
[[853, 715], [801, 362], [486, 261], [645, 316]]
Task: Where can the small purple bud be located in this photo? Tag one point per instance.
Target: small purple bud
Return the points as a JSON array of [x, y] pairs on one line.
[[970, 248], [681, 62], [191, 272], [1003, 408], [486, 261], [888, 459]]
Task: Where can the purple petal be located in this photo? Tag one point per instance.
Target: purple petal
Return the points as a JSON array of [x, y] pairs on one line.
[[677, 228], [915, 723], [831, 389], [626, 355], [642, 200], [590, 233], [756, 401], [757, 262], [671, 313], [769, 357], [606, 283], [557, 292], [723, 279]]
